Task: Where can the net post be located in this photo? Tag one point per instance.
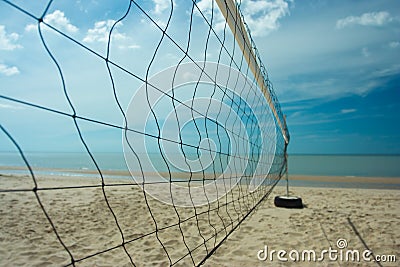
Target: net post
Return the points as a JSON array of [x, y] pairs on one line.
[[286, 160], [287, 172]]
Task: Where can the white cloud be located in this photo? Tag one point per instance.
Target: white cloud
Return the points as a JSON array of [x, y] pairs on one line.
[[7, 70], [205, 6], [134, 46], [161, 11], [58, 20], [161, 23], [7, 106], [8, 41], [262, 16], [394, 44], [346, 111], [365, 52], [101, 31], [366, 19], [389, 71], [30, 27], [161, 6], [315, 91]]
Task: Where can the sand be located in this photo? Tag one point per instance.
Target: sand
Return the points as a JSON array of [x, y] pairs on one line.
[[365, 218]]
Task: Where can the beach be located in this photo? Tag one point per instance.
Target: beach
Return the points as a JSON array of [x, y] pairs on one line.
[[363, 219]]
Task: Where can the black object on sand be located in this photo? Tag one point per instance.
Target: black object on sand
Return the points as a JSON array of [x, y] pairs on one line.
[[290, 202]]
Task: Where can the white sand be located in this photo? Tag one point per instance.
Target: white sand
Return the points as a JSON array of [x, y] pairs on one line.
[[86, 226], [375, 215]]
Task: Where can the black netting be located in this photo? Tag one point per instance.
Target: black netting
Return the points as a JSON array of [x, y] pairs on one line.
[[204, 143]]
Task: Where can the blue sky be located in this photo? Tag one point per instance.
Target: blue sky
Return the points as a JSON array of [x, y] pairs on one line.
[[336, 69], [335, 66]]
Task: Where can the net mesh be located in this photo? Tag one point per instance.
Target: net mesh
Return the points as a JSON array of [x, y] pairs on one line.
[[203, 143]]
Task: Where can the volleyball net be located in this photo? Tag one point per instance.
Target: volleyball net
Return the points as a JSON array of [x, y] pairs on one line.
[[177, 90]]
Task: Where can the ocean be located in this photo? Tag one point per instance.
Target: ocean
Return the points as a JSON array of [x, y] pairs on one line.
[[313, 165], [345, 165]]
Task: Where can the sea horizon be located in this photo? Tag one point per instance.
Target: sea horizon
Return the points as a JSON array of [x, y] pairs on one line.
[[349, 165], [314, 165]]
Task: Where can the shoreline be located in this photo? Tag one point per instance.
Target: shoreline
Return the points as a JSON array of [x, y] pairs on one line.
[[323, 181]]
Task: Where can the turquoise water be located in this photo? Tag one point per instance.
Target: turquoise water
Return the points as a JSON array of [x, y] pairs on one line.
[[321, 165], [65, 160], [345, 165], [324, 165]]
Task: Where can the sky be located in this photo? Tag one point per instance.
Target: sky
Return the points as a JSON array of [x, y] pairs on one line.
[[335, 66]]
